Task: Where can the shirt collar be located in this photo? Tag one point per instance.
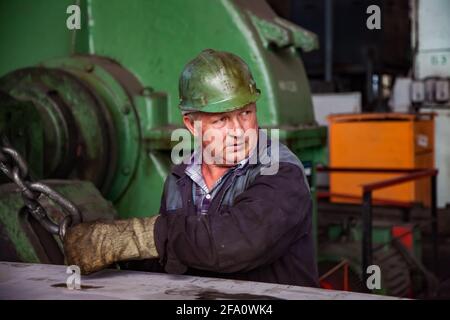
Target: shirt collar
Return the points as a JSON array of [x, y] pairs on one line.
[[194, 168]]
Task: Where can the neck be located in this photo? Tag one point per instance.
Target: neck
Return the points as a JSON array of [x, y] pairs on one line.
[[211, 173]]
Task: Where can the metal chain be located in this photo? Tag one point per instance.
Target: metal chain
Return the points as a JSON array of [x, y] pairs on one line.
[[16, 169]]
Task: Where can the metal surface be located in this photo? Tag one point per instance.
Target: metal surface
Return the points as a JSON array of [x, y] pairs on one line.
[[71, 116], [35, 281], [431, 38]]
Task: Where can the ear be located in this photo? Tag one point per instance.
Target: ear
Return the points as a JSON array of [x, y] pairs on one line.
[[189, 123]]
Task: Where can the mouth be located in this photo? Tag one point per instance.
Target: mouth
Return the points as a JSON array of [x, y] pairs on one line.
[[236, 147]]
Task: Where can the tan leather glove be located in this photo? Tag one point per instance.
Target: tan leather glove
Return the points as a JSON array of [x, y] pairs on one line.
[[93, 246]]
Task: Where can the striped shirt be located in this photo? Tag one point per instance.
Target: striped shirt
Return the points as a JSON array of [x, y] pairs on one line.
[[202, 196]]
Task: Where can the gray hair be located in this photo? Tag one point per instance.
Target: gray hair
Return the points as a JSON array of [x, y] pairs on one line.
[[191, 114]]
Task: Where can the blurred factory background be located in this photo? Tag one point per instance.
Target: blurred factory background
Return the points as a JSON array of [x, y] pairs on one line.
[[366, 110], [391, 86]]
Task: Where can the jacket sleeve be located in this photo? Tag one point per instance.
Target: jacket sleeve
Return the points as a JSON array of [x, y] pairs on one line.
[[263, 222]]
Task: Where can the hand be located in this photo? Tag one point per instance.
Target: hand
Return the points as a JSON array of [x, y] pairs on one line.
[[94, 246]]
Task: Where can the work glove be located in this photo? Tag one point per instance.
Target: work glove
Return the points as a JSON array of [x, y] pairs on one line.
[[93, 246]]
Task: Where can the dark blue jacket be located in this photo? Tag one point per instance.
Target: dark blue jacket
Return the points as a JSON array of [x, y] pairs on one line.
[[258, 227]]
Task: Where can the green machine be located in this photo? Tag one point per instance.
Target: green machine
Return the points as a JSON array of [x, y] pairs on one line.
[[91, 110]]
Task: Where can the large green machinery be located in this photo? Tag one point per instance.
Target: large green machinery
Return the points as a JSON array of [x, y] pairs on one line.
[[94, 108]]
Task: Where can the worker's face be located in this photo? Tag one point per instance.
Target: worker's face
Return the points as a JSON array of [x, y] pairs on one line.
[[227, 138]]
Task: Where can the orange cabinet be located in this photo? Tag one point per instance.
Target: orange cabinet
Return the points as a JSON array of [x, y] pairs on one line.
[[380, 140]]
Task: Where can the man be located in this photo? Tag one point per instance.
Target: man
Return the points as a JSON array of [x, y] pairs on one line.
[[230, 215]]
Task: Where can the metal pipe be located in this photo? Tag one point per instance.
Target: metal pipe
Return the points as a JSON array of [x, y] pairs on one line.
[[367, 257], [328, 40], [374, 170], [377, 201], [333, 270], [369, 80], [434, 223], [398, 180]]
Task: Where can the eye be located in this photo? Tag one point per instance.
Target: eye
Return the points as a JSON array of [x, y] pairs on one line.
[[246, 112], [219, 121]]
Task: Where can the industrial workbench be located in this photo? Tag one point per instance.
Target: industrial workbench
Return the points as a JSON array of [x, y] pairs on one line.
[[41, 281]]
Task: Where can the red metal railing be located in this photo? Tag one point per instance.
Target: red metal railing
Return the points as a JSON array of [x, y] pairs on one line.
[[369, 188]]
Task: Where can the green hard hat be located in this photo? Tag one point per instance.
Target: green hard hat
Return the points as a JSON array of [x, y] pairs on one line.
[[216, 81]]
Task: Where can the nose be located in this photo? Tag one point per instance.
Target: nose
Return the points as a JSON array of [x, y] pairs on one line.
[[236, 129]]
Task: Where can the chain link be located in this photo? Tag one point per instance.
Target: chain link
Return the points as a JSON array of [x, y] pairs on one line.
[[15, 168]]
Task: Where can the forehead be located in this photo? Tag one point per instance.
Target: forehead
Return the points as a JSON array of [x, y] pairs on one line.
[[229, 113]]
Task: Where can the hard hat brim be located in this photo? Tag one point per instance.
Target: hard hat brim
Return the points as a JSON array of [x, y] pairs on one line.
[[227, 105]]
